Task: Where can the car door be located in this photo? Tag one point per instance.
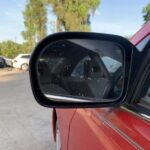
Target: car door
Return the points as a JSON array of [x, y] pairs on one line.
[[117, 128]]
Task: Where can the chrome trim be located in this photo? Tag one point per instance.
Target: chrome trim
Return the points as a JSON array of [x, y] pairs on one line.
[[146, 116], [65, 99], [138, 114], [120, 132], [71, 99]]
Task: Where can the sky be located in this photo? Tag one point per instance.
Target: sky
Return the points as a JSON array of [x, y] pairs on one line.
[[120, 17]]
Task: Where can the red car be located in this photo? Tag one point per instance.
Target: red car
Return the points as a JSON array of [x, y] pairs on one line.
[[102, 124]]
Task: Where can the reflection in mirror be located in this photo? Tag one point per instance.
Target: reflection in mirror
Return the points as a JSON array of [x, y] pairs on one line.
[[81, 69]]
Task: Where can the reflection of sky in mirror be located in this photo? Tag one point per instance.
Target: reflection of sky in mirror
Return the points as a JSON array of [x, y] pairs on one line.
[[123, 17]]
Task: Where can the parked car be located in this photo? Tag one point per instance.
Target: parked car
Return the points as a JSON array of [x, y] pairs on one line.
[[8, 62], [105, 109], [21, 61], [2, 62]]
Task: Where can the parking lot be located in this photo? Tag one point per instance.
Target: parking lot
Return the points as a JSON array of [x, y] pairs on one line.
[[24, 125]]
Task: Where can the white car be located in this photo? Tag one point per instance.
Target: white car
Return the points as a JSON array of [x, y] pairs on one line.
[[22, 61]]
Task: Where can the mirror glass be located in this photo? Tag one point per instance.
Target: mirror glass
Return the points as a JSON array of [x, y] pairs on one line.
[[81, 70]]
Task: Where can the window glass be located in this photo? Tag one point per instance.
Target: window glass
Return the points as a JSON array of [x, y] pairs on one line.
[[79, 69], [111, 64], [25, 56], [143, 43], [145, 95], [82, 67]]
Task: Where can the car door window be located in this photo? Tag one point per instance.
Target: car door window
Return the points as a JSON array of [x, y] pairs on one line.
[[145, 95], [146, 98], [143, 43], [111, 64], [26, 56], [79, 69]]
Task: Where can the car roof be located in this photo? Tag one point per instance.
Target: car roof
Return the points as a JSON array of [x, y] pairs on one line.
[[141, 34]]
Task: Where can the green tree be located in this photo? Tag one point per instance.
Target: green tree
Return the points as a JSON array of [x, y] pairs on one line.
[[73, 15], [35, 19], [146, 13], [10, 49]]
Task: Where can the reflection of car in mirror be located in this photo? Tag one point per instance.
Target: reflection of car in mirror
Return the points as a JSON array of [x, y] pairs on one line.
[[2, 62], [92, 71]]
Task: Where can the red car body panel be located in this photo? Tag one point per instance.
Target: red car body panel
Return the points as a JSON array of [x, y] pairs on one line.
[[141, 34], [64, 117], [111, 129], [104, 128]]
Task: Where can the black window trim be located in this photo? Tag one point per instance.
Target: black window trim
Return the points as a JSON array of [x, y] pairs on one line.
[[140, 109], [130, 105]]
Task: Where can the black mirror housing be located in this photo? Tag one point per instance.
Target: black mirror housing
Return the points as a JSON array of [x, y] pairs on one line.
[[74, 47]]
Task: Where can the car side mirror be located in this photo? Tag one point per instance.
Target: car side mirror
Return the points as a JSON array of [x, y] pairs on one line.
[[81, 70]]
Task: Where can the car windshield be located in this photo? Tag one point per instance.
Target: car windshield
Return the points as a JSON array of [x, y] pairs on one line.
[[143, 43]]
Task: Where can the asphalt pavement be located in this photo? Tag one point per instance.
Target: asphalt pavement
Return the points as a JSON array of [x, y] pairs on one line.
[[24, 124]]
